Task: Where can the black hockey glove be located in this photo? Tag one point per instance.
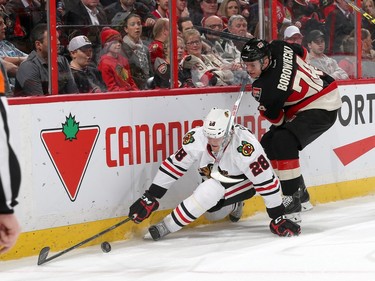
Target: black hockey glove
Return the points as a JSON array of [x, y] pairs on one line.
[[284, 227], [143, 207]]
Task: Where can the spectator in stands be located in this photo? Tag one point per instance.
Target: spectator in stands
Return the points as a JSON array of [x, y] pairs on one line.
[[105, 3], [184, 23], [8, 91], [237, 25], [162, 68], [253, 17], [86, 12], [88, 78], [160, 34], [150, 4], [13, 30], [316, 44], [182, 10], [60, 12], [136, 52], [26, 14], [339, 24], [161, 10], [292, 34], [348, 63], [207, 8], [32, 77], [368, 54], [369, 7], [214, 23], [206, 70], [90, 15], [282, 14], [309, 16], [11, 56], [113, 65], [218, 44], [227, 9], [119, 11]]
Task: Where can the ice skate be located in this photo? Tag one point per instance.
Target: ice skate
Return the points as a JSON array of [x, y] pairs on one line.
[[305, 199], [236, 214], [158, 231], [293, 207]]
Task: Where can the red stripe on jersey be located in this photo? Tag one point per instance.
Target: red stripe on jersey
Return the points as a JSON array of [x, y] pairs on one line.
[[289, 164], [295, 108], [166, 164], [279, 119], [180, 215], [274, 164], [272, 186], [238, 188]]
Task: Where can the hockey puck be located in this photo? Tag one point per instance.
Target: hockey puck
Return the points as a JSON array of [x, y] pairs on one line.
[[106, 247]]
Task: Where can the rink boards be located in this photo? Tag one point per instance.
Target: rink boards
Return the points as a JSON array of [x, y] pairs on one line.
[[86, 158]]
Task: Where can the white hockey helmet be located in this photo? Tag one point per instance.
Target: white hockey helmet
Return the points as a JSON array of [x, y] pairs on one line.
[[216, 123]]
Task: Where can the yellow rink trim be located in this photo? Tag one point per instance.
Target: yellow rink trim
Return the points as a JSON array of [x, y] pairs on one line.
[[61, 238]]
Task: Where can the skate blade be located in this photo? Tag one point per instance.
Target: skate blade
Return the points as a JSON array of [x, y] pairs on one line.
[[306, 206], [294, 217], [147, 236]]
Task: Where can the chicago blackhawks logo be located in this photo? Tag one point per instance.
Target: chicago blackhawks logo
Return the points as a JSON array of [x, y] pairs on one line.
[[70, 148], [206, 171], [188, 138], [246, 149]]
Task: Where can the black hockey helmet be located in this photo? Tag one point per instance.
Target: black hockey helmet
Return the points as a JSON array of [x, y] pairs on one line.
[[255, 49]]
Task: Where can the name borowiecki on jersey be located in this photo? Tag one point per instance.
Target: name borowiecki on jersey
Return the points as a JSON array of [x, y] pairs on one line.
[[290, 85]]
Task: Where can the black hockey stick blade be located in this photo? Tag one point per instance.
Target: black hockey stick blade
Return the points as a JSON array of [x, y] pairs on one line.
[[45, 251], [43, 255]]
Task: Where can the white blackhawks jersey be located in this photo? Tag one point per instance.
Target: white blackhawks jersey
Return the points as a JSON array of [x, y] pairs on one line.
[[243, 158]]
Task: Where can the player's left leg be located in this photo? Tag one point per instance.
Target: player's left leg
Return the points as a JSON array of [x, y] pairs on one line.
[[203, 198]]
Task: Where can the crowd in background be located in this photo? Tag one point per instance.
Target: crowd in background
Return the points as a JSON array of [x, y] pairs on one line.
[[123, 45]]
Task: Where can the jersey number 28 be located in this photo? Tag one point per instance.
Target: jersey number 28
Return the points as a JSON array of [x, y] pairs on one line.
[[259, 165]]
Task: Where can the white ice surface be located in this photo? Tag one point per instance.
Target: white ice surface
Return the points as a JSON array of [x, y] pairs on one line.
[[337, 243]]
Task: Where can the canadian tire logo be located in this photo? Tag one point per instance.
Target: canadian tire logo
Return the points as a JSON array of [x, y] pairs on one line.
[[70, 148]]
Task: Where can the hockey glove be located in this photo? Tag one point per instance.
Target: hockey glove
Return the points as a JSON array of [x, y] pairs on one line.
[[143, 207], [284, 227]]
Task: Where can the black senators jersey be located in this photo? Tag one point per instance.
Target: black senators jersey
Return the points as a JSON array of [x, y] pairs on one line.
[[290, 85]]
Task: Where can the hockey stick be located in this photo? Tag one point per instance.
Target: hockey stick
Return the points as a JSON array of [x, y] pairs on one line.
[[215, 173], [367, 16], [222, 34], [44, 252]]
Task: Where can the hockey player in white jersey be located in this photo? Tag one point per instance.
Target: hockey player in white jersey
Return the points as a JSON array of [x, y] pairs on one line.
[[244, 158]]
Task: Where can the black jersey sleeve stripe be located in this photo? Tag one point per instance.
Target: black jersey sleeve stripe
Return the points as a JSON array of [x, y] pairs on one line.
[[168, 173], [265, 183], [169, 159]]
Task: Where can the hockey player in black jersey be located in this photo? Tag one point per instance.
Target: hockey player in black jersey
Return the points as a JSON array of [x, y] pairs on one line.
[[244, 159], [300, 101]]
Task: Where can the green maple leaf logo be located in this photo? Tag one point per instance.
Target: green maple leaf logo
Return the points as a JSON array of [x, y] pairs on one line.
[[70, 128]]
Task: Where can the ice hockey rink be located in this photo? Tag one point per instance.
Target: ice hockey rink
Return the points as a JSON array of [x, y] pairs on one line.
[[337, 243]]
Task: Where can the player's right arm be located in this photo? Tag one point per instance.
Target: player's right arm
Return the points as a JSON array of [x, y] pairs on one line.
[[171, 169], [257, 168]]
